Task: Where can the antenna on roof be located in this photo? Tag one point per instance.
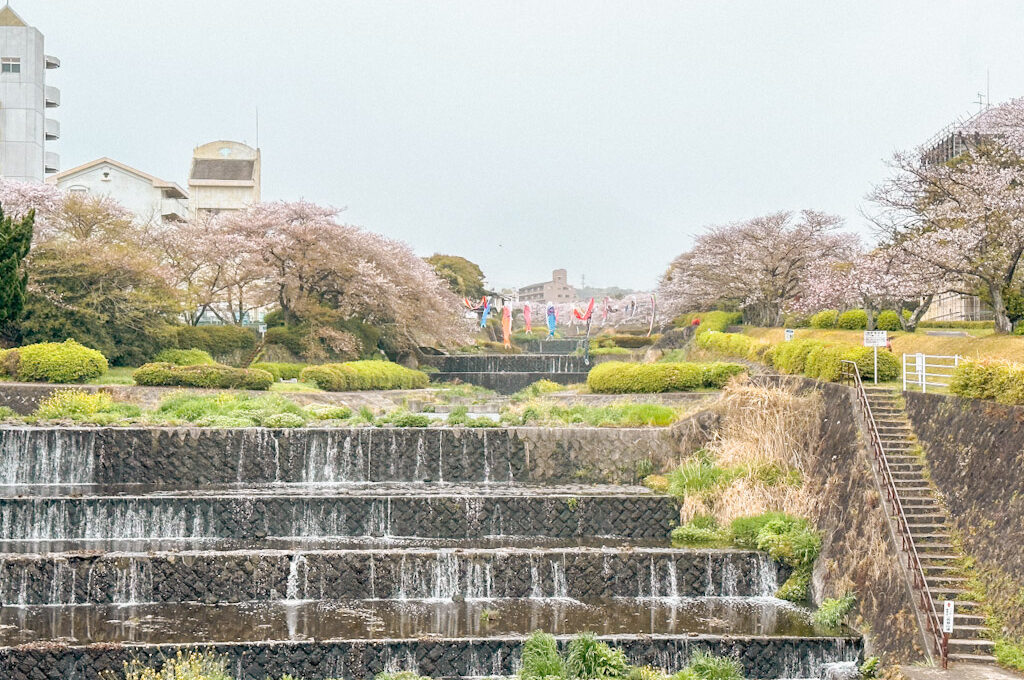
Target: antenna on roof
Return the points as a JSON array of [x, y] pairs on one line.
[[980, 102]]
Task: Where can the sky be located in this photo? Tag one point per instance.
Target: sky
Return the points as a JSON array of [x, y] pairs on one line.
[[594, 136]]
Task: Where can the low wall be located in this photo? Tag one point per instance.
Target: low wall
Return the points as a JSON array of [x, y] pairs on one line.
[[194, 456], [509, 363], [762, 657], [508, 383], [246, 576], [975, 455]]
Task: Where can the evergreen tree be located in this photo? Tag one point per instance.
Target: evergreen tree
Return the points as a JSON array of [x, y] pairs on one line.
[[15, 241]]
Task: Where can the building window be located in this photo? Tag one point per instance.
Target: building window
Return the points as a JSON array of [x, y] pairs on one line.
[[10, 65]]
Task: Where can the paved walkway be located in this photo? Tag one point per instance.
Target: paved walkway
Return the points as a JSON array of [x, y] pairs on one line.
[[960, 671]]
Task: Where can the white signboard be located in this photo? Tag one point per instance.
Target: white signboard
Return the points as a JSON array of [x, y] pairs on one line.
[[876, 338], [790, 333], [947, 616], [262, 328]]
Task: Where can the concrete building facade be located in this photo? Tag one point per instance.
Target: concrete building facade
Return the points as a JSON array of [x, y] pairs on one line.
[[556, 290], [150, 198], [225, 175], [24, 100]]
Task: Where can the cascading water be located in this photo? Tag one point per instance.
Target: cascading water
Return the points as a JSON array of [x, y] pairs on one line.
[[29, 456]]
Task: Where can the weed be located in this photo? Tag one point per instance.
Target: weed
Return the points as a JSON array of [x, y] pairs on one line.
[[833, 611], [183, 666], [540, 657], [587, 658]]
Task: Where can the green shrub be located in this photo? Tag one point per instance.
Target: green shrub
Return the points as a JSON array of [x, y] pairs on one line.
[[729, 344], [853, 320], [284, 420], [623, 341], [826, 318], [825, 362], [216, 340], [184, 357], [645, 673], [540, 658], [329, 412], [888, 364], [797, 586], [405, 419], [791, 356], [617, 377], [999, 380], [711, 321], [59, 362], [7, 413], [744, 530], [364, 375], [888, 320], [790, 540], [215, 376], [587, 658], [537, 389], [290, 337], [701, 531], [280, 370], [833, 611], [796, 321], [1009, 653], [704, 666], [697, 477], [9, 360]]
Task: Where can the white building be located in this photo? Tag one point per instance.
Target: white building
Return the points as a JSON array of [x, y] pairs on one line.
[[24, 98], [149, 197], [224, 176]]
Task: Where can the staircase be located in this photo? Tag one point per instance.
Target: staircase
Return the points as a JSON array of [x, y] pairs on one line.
[[924, 527]]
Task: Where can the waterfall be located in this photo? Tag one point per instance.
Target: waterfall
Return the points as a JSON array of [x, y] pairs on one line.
[[54, 456], [134, 583], [560, 589], [293, 591]]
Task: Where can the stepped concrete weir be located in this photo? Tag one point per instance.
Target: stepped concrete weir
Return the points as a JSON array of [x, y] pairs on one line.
[[342, 554], [508, 373]]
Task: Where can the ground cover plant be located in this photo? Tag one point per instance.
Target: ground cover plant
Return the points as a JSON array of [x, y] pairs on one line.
[[549, 413], [617, 377]]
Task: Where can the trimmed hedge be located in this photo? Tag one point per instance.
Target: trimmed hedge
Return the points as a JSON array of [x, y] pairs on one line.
[[826, 318], [184, 357], [55, 362], [217, 340], [710, 321], [280, 370], [619, 377], [999, 380], [888, 320], [853, 320], [623, 340], [162, 374], [364, 375], [813, 358], [957, 324]]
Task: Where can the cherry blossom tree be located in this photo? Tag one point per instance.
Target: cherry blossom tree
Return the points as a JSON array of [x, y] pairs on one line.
[[964, 217], [882, 278], [758, 265]]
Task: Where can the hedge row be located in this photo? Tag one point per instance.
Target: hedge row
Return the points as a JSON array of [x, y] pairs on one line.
[[851, 320], [184, 357], [623, 340], [999, 380], [163, 374], [280, 370], [216, 340], [55, 362], [364, 375], [957, 324], [618, 377], [710, 321], [813, 358]]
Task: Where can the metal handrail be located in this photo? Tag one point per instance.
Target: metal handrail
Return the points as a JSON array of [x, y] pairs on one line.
[[851, 372]]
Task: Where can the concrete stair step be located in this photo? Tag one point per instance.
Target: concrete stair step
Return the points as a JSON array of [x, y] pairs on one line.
[[973, 658]]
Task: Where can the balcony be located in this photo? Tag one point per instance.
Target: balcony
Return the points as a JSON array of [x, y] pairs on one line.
[[51, 162], [52, 97], [173, 209], [52, 129], [52, 61]]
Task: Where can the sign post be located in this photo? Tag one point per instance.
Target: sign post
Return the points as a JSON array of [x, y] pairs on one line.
[[789, 334], [876, 339], [947, 628]]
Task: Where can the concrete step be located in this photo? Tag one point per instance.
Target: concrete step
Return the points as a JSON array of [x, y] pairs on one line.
[[973, 658]]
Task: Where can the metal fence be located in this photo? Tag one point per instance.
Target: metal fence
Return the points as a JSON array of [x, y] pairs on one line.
[[921, 371]]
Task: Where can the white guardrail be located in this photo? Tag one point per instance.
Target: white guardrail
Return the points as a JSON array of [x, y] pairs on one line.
[[928, 370]]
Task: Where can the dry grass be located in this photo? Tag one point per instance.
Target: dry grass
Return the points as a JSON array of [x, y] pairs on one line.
[[762, 428], [978, 346]]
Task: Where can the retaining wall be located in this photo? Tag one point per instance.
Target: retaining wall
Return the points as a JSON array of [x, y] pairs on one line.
[[192, 456]]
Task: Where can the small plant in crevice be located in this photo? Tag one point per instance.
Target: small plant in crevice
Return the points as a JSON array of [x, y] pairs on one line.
[[573, 503], [833, 611], [488, 615], [871, 669], [587, 658]]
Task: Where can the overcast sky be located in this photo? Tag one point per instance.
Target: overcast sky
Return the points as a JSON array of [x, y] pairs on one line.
[[526, 136]]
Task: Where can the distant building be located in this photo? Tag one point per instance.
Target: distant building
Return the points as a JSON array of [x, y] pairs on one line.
[[556, 290], [24, 98], [149, 197], [224, 176]]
